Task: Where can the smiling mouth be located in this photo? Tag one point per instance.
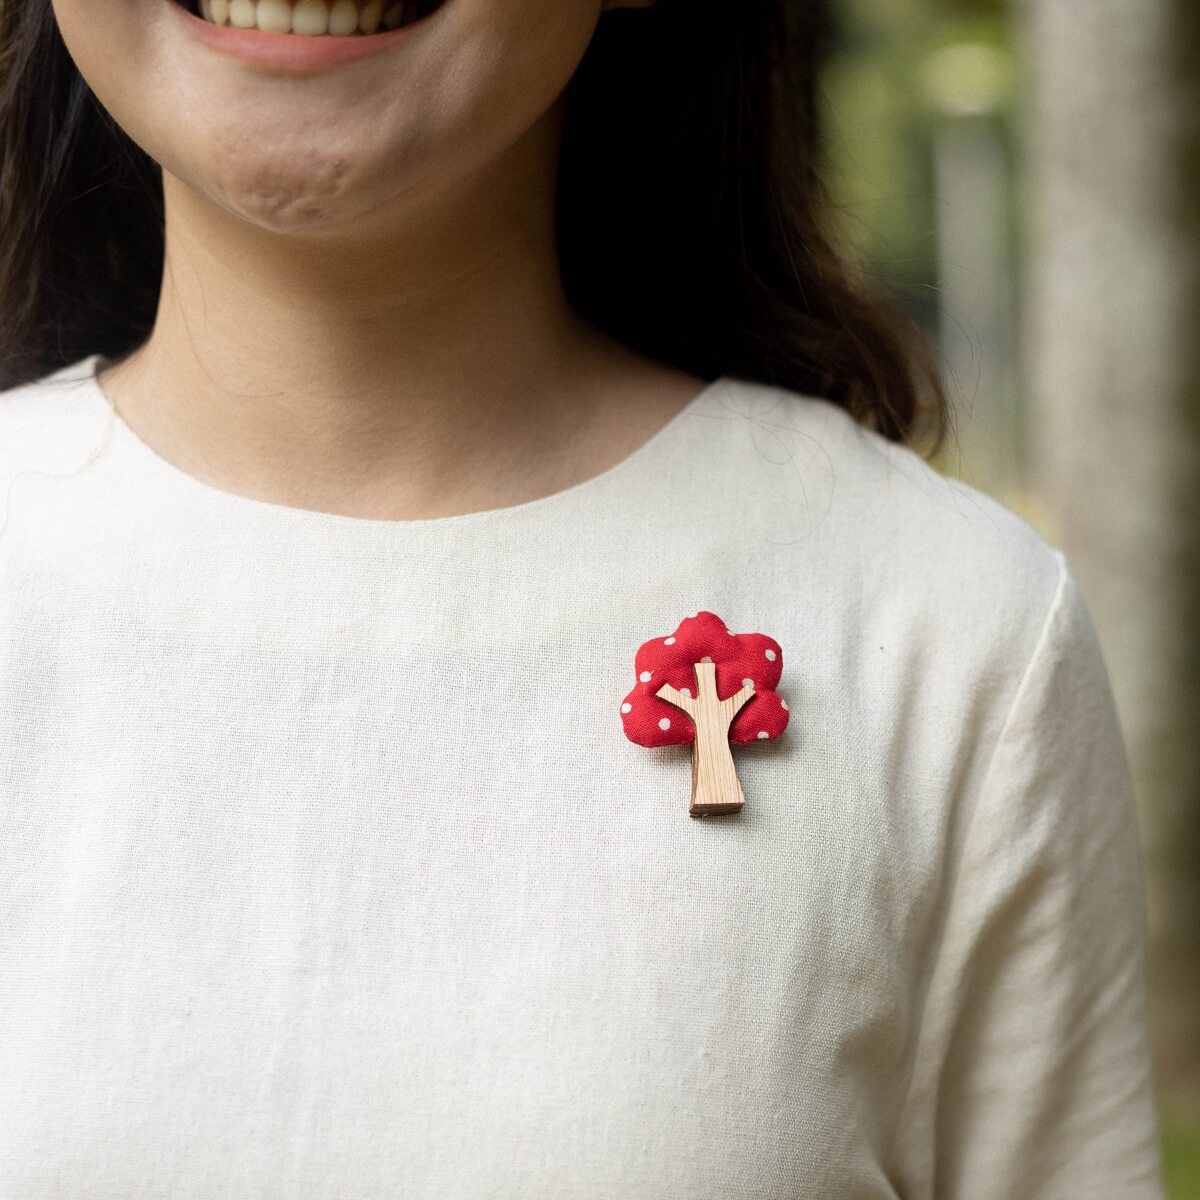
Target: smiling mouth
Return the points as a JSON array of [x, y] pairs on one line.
[[313, 18]]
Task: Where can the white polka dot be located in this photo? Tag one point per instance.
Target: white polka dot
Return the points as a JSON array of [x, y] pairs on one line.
[[686, 691], [747, 683], [783, 703], [706, 659], [645, 676], [770, 656], [626, 707], [668, 641], [762, 733], [665, 723]]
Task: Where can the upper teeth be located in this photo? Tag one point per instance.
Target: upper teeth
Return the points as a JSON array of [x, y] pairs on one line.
[[339, 18]]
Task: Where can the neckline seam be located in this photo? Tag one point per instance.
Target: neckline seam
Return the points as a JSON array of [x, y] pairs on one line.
[[652, 447]]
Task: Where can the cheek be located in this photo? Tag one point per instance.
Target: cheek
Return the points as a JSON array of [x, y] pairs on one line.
[[120, 49], [520, 55], [110, 48]]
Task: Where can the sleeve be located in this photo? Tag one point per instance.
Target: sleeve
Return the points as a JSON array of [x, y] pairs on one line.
[[1032, 1075]]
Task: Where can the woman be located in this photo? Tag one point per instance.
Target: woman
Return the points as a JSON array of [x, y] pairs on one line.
[[374, 396]]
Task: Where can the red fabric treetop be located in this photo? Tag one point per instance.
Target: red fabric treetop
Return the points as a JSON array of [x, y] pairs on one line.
[[740, 659]]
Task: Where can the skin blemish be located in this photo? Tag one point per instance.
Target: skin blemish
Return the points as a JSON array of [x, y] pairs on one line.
[[281, 192]]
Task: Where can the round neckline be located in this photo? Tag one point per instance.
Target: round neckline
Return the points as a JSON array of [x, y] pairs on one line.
[[639, 458]]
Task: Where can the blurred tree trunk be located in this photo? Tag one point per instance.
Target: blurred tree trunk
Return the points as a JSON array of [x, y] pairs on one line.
[[1113, 361]]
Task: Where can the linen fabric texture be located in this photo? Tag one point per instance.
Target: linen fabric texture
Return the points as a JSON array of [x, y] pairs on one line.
[[327, 870]]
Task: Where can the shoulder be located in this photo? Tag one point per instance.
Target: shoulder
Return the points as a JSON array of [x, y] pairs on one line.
[[49, 421], [50, 428], [815, 491], [811, 474]]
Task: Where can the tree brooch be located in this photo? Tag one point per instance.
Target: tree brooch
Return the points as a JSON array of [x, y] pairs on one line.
[[704, 686]]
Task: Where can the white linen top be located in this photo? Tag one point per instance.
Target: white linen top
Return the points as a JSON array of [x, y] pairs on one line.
[[328, 873]]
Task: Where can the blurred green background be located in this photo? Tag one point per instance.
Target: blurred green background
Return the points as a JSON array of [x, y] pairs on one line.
[[1025, 176]]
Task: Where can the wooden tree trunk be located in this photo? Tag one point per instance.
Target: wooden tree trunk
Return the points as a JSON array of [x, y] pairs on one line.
[[715, 785], [1113, 360]]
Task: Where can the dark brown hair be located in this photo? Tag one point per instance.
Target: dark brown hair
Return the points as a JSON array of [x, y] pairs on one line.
[[692, 224]]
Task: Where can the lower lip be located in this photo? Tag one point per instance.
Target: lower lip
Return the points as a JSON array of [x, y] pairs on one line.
[[292, 52]]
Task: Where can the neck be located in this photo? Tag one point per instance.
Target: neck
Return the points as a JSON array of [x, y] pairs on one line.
[[418, 362]]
